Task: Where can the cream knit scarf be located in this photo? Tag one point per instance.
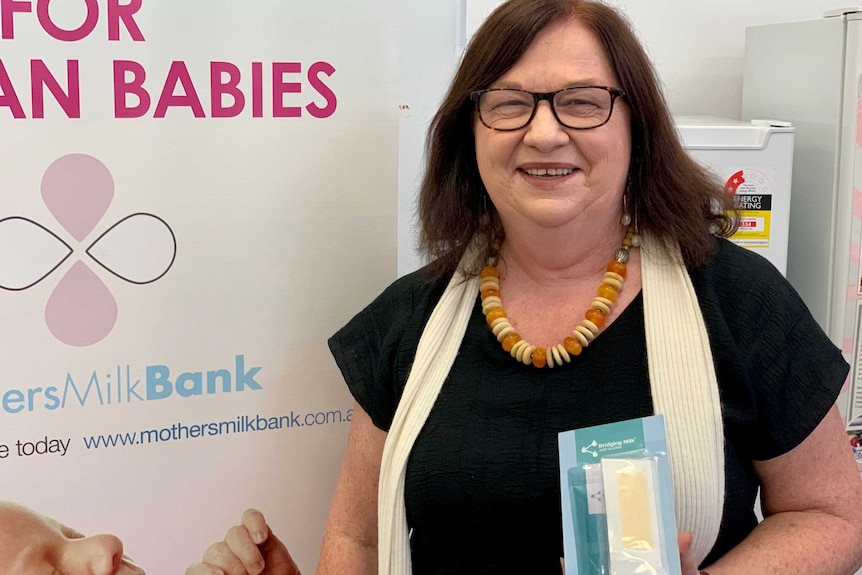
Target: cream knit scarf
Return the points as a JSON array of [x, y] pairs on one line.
[[682, 380]]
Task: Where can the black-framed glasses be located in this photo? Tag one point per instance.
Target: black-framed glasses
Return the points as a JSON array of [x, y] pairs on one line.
[[577, 107]]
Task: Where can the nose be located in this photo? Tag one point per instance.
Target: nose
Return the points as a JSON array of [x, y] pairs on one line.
[[95, 555], [544, 131]]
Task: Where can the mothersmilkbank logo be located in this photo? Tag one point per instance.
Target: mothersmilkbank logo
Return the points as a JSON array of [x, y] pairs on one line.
[[139, 248], [123, 384]]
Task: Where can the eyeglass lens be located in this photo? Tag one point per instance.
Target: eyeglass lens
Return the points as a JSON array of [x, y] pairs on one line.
[[580, 108]]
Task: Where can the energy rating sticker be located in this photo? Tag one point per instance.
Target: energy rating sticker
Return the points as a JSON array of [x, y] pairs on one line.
[[751, 190]]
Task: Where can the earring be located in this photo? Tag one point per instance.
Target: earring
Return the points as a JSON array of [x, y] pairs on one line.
[[626, 218], [630, 222]]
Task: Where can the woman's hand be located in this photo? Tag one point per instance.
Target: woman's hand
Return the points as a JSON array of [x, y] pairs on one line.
[[686, 556], [249, 548]]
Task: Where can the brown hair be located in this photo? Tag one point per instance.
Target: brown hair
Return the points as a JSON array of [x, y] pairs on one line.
[[675, 200]]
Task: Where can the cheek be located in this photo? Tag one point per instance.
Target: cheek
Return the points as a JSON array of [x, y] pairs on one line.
[[494, 154], [609, 159], [482, 159]]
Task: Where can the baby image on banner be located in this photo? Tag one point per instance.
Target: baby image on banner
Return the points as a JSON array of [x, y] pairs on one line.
[[184, 196]]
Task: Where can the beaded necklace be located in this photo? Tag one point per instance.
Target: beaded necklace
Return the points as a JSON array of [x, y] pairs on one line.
[[584, 333]]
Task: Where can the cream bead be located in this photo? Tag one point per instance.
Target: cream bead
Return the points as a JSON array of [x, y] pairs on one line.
[[561, 349], [489, 283], [584, 333], [594, 329], [613, 282], [527, 354], [516, 349], [490, 303], [555, 353], [580, 337], [502, 330], [615, 276], [604, 300], [599, 305]]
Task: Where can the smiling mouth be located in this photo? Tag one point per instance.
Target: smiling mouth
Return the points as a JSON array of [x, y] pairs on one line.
[[548, 172]]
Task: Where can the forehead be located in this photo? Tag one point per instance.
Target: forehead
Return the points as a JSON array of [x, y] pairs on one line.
[[563, 54]]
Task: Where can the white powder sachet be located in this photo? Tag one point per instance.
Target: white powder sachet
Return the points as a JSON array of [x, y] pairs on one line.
[[632, 505]]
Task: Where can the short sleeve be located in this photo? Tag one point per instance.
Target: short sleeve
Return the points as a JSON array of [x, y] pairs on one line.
[[375, 349], [779, 373], [799, 378]]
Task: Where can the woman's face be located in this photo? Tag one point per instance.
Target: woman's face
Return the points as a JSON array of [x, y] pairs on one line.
[[594, 162], [32, 544]]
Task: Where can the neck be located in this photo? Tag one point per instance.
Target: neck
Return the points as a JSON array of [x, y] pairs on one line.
[[564, 252]]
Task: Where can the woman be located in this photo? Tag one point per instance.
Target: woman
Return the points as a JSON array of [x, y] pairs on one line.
[[552, 155]]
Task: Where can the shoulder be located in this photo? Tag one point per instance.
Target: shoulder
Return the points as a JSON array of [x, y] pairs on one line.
[[401, 309], [740, 267], [778, 371], [744, 283], [743, 295], [405, 296], [375, 349]]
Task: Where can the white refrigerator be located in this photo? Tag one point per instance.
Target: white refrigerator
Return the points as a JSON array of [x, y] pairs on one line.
[[810, 74], [753, 160]]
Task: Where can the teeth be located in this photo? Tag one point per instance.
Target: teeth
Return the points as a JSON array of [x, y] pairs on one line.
[[549, 172]]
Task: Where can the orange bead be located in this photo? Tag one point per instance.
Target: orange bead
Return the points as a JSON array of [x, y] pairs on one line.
[[489, 292], [510, 340], [490, 271], [572, 346], [617, 268], [608, 292], [595, 316], [495, 313], [540, 357]]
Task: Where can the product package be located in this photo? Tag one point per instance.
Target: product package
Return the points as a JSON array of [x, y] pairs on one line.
[[617, 500]]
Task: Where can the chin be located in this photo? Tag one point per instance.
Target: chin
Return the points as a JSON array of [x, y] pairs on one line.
[[553, 212], [551, 220]]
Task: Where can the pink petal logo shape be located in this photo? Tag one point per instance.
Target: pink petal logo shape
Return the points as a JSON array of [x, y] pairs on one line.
[[81, 310], [140, 248], [77, 189]]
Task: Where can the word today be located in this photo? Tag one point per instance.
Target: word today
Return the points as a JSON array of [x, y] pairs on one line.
[[45, 446]]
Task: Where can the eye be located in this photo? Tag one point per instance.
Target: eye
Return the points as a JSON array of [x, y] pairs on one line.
[[578, 101], [506, 102], [583, 105], [510, 103]]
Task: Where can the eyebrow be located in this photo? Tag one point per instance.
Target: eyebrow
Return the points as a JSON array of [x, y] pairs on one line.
[[573, 84]]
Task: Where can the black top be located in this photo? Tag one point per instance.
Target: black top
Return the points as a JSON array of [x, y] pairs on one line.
[[482, 487]]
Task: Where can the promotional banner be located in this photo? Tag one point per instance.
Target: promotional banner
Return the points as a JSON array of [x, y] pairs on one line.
[[193, 198]]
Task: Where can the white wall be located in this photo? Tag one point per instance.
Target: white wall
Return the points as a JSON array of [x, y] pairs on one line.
[[432, 38], [697, 47]]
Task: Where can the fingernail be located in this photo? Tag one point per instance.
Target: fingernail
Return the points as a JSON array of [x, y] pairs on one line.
[[258, 537]]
